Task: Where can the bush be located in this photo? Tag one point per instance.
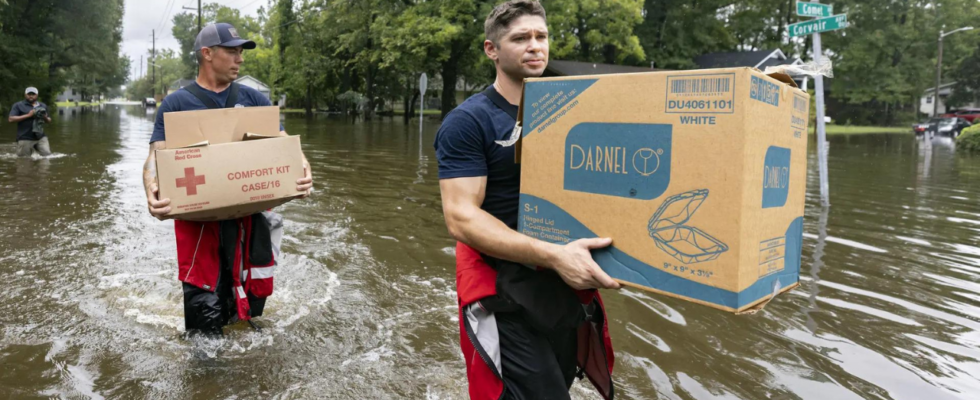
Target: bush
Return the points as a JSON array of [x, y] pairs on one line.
[[969, 139]]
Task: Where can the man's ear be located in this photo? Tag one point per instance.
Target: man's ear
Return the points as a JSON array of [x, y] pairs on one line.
[[490, 49], [208, 53]]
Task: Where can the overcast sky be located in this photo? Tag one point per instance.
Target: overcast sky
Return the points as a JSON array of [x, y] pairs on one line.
[[143, 16]]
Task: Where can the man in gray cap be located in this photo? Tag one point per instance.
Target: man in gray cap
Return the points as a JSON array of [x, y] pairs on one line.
[[30, 115], [207, 251]]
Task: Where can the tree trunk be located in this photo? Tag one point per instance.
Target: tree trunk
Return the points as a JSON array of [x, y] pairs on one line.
[[450, 73], [309, 99]]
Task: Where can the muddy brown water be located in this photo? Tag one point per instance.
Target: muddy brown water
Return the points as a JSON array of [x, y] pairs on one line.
[[889, 306]]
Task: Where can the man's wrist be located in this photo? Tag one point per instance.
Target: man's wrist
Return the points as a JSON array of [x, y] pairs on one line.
[[547, 253]]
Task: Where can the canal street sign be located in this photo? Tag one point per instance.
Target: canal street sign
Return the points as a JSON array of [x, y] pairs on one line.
[[423, 83], [833, 23], [808, 9]]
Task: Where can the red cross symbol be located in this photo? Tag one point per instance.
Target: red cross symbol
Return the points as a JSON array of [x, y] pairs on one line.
[[190, 181]]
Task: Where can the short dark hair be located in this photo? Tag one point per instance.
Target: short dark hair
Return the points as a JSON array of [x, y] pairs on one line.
[[503, 14], [200, 54]]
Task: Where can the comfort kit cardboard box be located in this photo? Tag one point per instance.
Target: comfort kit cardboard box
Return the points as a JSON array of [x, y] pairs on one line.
[[227, 163], [698, 176]]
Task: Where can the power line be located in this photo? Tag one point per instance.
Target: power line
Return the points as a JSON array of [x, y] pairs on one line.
[[168, 8]]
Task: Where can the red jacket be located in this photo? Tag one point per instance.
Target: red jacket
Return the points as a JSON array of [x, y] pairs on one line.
[[475, 280], [199, 261]]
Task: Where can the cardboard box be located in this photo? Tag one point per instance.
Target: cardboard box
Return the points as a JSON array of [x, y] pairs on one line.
[[698, 176], [227, 163]]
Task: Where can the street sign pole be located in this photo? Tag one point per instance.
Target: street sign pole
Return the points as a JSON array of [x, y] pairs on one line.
[[822, 145], [825, 21], [423, 85]]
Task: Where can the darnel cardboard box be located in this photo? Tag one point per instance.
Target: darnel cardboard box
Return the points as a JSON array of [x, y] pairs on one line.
[[698, 176], [227, 163]]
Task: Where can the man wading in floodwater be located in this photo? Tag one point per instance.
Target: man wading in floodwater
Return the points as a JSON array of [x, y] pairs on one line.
[[525, 332], [226, 267], [30, 116]]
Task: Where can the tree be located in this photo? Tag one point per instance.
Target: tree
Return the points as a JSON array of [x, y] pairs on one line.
[[41, 42], [594, 30]]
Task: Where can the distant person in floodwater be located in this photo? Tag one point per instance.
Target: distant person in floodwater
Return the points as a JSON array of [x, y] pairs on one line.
[[226, 267], [30, 116]]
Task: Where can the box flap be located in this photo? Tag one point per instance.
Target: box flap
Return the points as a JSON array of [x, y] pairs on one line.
[[255, 136], [520, 124], [784, 78], [186, 128]]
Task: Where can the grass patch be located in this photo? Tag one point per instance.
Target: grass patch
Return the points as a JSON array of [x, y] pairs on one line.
[[425, 112], [73, 104], [860, 130]]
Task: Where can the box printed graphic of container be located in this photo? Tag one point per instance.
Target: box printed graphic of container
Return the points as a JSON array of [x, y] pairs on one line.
[[698, 176]]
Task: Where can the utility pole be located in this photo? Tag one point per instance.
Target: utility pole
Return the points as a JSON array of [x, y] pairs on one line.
[[141, 67], [939, 67], [154, 63], [199, 15]]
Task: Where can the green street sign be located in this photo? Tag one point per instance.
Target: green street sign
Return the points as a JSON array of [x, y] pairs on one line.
[[808, 9], [833, 23]]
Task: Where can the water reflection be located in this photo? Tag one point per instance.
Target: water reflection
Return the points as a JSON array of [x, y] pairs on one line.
[[365, 301], [813, 286]]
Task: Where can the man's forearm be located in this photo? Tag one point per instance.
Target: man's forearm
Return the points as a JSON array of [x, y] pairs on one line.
[[150, 167], [490, 236], [18, 118]]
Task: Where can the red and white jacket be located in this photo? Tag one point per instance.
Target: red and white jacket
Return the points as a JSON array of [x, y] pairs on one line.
[[475, 280], [199, 262]]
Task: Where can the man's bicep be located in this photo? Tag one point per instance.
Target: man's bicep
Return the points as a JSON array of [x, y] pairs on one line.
[[463, 192]]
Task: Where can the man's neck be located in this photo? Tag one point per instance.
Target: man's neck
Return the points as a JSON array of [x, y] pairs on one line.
[[509, 88], [210, 82]]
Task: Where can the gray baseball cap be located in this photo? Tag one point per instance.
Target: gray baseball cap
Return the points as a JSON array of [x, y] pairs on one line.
[[221, 34], [31, 89]]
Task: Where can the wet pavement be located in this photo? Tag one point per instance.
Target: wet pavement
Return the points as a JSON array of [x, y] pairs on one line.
[[889, 306]]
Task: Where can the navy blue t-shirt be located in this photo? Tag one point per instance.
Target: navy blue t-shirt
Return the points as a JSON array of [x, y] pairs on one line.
[[465, 148], [25, 128], [182, 100]]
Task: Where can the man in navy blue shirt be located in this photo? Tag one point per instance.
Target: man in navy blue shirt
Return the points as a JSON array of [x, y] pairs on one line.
[[27, 114], [518, 324], [208, 307]]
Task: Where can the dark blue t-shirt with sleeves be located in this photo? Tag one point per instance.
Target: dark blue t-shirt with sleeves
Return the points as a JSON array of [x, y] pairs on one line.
[[25, 128], [182, 100], [465, 148]]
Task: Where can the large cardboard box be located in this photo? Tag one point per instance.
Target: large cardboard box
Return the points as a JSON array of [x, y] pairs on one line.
[[227, 163], [698, 176]]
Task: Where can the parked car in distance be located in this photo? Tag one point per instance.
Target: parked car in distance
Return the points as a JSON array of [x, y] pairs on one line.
[[947, 126], [969, 114], [921, 127], [149, 102]]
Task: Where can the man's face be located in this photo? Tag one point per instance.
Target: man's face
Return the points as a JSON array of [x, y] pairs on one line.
[[522, 51], [31, 97], [225, 62]]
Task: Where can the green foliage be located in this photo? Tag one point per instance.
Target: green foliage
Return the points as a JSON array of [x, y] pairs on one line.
[[322, 52], [43, 44], [169, 69], [969, 139], [594, 30]]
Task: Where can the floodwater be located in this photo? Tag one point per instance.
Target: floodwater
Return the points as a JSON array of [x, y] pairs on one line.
[[889, 306]]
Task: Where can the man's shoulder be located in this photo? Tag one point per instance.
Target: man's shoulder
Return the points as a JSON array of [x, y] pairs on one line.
[[254, 95], [176, 100], [477, 108]]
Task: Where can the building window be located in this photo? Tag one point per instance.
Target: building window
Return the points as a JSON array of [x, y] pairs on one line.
[[929, 100]]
